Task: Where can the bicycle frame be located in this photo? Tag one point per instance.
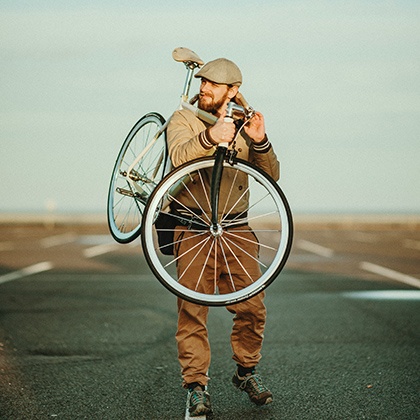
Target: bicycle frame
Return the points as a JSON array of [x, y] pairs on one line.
[[144, 184], [217, 173], [221, 151], [211, 119]]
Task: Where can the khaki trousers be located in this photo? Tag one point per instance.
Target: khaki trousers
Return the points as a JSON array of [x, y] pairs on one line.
[[249, 316]]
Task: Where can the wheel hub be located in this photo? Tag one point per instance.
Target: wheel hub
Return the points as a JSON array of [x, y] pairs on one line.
[[216, 230]]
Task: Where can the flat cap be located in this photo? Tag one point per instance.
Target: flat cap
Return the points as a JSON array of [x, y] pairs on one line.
[[221, 71]]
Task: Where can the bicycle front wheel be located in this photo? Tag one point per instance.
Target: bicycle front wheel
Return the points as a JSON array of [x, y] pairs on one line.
[[130, 189], [223, 265]]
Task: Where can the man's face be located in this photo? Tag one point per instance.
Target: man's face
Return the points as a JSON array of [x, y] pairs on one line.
[[212, 96]]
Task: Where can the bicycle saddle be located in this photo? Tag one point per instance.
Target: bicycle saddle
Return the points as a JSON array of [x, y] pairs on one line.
[[184, 55]]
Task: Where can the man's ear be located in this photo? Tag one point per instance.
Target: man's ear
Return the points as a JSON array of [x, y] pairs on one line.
[[232, 92]]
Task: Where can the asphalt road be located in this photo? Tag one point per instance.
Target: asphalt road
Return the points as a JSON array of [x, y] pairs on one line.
[[86, 332]]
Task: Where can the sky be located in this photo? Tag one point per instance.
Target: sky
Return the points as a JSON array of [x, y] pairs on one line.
[[337, 81]]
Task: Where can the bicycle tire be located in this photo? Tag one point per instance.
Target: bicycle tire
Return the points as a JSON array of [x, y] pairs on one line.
[[127, 198], [274, 228]]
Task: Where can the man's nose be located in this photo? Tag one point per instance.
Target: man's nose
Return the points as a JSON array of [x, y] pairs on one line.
[[204, 86]]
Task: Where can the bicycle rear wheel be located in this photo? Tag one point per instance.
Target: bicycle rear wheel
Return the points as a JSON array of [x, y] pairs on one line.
[[129, 192], [237, 260]]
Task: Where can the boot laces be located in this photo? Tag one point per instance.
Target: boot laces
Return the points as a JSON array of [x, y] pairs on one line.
[[254, 384], [197, 397]]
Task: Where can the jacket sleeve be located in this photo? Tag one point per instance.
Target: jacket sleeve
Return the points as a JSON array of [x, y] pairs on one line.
[[263, 156], [187, 139]]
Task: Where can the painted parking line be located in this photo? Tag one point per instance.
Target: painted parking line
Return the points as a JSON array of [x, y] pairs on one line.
[[413, 295], [57, 240], [99, 250], [27, 271], [391, 274], [363, 237], [314, 248]]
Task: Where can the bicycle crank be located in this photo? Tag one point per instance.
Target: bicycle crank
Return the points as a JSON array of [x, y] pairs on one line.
[[136, 176]]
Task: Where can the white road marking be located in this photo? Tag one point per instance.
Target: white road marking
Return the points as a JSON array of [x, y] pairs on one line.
[[315, 248], [391, 274], [363, 237], [96, 240], [32, 269], [384, 295], [56, 240], [99, 250]]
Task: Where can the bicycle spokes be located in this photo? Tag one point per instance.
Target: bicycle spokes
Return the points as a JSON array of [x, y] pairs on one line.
[[139, 167], [229, 262]]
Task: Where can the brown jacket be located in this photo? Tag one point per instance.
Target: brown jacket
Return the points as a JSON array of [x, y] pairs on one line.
[[188, 139]]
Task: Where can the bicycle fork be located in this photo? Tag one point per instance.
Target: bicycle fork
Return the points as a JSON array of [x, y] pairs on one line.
[[216, 228]]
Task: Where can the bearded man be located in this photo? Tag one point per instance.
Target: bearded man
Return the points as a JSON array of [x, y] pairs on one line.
[[189, 138]]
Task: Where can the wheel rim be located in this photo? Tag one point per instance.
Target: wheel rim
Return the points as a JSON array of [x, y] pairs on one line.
[[127, 198], [273, 227]]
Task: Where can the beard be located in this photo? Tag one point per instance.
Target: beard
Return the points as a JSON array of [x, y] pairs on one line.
[[208, 104]]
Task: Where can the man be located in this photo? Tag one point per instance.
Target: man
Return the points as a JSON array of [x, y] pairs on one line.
[[190, 138]]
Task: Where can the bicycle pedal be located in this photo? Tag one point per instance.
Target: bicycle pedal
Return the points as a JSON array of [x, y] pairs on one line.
[[122, 191], [128, 193]]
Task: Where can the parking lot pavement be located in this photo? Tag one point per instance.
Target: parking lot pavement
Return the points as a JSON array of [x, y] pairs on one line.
[[87, 332], [368, 251]]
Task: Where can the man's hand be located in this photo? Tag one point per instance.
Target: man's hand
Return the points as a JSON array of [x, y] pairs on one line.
[[256, 128], [222, 132]]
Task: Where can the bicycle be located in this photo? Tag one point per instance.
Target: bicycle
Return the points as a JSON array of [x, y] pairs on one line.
[[145, 198]]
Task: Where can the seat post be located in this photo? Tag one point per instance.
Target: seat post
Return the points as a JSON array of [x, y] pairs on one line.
[[190, 71]]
